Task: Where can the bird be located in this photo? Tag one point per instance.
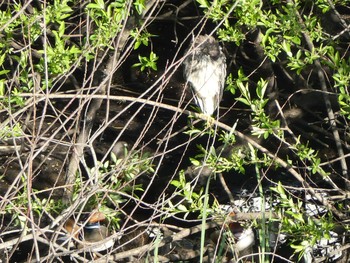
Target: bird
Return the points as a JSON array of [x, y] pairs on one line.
[[204, 70], [93, 235]]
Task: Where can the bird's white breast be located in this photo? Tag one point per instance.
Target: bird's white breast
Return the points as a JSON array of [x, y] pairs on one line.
[[207, 85]]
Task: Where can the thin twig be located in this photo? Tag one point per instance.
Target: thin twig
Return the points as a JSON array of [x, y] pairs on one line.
[[242, 136], [330, 112]]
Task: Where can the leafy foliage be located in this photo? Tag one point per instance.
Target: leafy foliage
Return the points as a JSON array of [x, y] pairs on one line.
[[55, 67], [149, 63]]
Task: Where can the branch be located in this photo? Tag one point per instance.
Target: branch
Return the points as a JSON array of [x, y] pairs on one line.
[[327, 100], [262, 149], [110, 68]]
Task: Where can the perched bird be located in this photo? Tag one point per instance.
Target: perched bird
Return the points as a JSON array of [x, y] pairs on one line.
[[93, 235], [205, 71]]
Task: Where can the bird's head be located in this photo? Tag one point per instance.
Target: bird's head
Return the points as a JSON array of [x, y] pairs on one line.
[[208, 46]]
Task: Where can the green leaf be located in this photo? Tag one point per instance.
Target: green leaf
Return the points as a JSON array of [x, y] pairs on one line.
[[286, 48], [195, 162], [99, 5], [175, 183], [203, 3], [4, 71], [139, 6], [61, 29], [182, 208], [2, 58], [244, 101]]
